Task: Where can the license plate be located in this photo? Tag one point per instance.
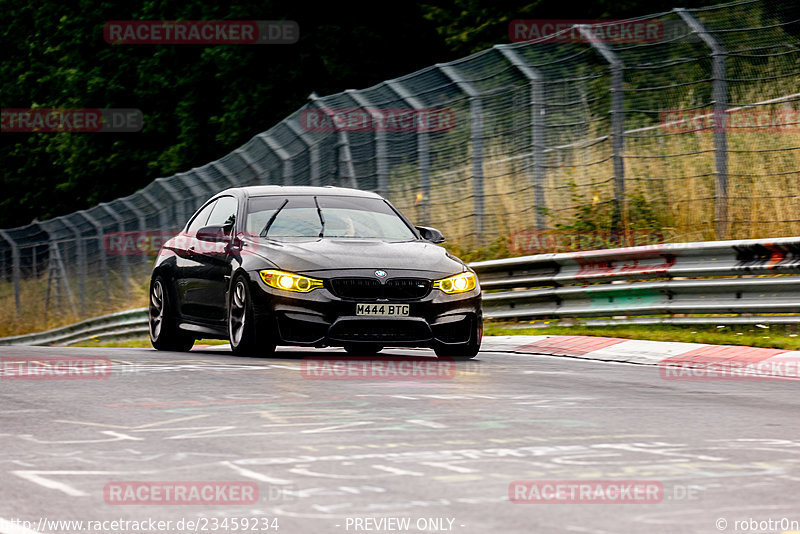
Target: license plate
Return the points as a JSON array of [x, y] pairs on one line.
[[382, 310]]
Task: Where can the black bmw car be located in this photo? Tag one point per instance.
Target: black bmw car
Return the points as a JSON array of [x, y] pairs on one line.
[[311, 266]]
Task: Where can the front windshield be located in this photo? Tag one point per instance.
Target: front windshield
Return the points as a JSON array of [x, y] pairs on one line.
[[301, 216]]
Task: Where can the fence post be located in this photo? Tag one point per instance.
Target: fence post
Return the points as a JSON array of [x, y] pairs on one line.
[[162, 215], [100, 242], [313, 151], [140, 218], [224, 171], [257, 169], [123, 257], [81, 262], [284, 156], [720, 96], [476, 138], [617, 124], [381, 168], [423, 150], [177, 199], [537, 130], [57, 273], [15, 268], [202, 193], [345, 155], [193, 180]]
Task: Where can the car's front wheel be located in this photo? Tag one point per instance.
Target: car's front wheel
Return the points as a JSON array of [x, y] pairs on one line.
[[462, 351], [245, 335], [164, 332], [363, 349]]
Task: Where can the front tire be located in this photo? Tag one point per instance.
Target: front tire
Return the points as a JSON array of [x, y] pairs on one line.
[[164, 332], [363, 349], [461, 351], [465, 351], [247, 338]]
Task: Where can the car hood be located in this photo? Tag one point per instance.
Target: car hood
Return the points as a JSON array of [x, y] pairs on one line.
[[329, 254]]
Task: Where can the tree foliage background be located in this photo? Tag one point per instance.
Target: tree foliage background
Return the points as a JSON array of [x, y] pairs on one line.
[[201, 102]]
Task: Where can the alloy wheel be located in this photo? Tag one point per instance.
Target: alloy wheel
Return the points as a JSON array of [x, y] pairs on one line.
[[156, 309], [238, 313]]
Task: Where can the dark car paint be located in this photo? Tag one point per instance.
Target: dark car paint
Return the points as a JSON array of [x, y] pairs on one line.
[[312, 255], [202, 272]]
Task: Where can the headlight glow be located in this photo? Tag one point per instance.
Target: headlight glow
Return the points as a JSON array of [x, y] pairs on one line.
[[459, 283], [289, 281]]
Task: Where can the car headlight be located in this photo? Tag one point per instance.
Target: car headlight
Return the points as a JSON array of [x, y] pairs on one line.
[[460, 283], [289, 281]]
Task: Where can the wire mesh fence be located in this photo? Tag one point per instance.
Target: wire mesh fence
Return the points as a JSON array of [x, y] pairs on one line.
[[688, 133]]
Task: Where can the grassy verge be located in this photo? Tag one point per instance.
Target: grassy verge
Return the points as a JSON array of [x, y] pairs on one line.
[[772, 336]]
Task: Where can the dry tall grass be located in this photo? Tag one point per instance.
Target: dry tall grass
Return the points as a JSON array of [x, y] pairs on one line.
[[34, 317], [673, 174]]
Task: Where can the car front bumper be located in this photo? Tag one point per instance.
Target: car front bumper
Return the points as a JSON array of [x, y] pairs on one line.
[[321, 318]]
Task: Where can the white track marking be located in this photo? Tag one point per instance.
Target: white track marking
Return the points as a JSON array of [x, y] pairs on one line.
[[255, 475], [36, 478]]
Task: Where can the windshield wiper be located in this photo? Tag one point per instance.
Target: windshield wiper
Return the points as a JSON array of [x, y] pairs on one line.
[[321, 218], [272, 219]]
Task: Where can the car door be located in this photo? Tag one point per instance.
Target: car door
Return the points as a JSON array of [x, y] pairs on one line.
[[188, 268], [214, 264]]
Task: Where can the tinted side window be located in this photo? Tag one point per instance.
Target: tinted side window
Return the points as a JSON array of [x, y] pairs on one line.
[[200, 220], [224, 212]]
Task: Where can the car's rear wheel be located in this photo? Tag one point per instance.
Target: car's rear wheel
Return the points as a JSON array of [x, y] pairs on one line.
[[246, 336], [363, 349], [164, 332]]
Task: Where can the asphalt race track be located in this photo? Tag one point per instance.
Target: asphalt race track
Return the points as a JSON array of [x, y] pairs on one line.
[[386, 453]]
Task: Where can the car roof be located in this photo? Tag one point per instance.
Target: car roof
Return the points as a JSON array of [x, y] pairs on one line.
[[270, 190]]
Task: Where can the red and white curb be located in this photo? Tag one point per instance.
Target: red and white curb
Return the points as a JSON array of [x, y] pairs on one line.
[[676, 361]]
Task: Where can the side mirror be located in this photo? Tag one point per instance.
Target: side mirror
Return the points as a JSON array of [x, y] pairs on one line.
[[214, 234], [430, 234]]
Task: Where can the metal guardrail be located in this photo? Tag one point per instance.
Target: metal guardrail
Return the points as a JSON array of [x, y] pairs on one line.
[[695, 281], [130, 323], [719, 277]]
